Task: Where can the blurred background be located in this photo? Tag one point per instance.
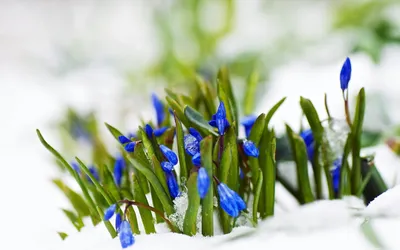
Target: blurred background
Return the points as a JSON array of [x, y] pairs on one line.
[[109, 56]]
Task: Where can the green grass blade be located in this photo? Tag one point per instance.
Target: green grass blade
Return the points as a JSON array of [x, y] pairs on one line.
[[181, 148], [250, 93], [255, 136], [224, 87], [189, 223], [132, 218], [178, 109], [199, 122], [257, 193], [208, 200], [233, 176], [147, 218], [115, 132]]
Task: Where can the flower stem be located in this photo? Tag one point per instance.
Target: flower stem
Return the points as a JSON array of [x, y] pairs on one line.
[[346, 107]]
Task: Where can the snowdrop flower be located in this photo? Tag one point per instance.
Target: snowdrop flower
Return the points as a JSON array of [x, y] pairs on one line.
[[345, 74], [130, 147], [172, 185], [196, 159], [119, 167], [125, 234], [308, 139], [169, 154], [192, 145], [159, 108], [250, 149], [167, 166], [203, 182], [248, 123], [118, 221], [219, 119], [230, 201], [110, 212]]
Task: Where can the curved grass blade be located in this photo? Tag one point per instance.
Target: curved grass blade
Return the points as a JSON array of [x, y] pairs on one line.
[[181, 147], [75, 219], [198, 121], [147, 218], [255, 136], [224, 85], [208, 201], [250, 93], [233, 176], [189, 223], [77, 202], [115, 132], [257, 193], [178, 109]]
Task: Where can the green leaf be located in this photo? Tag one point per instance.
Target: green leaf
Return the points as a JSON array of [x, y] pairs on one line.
[[189, 223], [225, 93], [181, 148], [255, 136], [233, 176], [75, 219], [147, 218], [225, 164], [356, 131], [115, 132], [208, 200], [206, 95], [199, 122], [300, 155], [257, 193], [131, 214], [62, 235], [178, 109], [344, 185], [155, 183], [370, 235], [272, 111], [373, 184], [92, 206], [250, 93], [269, 176], [140, 155]]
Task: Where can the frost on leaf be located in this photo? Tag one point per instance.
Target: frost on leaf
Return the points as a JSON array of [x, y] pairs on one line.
[[181, 205]]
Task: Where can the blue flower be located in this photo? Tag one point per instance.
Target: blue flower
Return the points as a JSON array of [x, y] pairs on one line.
[[159, 107], [110, 212], [125, 234], [167, 166], [169, 154], [159, 132], [250, 149], [230, 201], [196, 159], [149, 131], [118, 221], [335, 172], [196, 134], [219, 119], [308, 139], [130, 147], [95, 174], [192, 145], [241, 174], [76, 167], [119, 167], [172, 185], [203, 182], [171, 111], [248, 123], [131, 135], [123, 139], [345, 74]]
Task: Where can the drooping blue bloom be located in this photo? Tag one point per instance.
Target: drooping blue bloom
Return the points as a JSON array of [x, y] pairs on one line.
[[159, 107], [250, 149], [192, 145], [196, 134], [167, 166], [149, 130], [335, 172], [203, 182], [118, 221], [119, 167], [219, 119], [110, 212], [159, 132], [248, 123], [169, 154], [241, 205], [76, 167], [227, 201], [345, 74], [123, 139], [130, 147], [308, 139], [196, 159], [94, 172], [172, 185], [125, 234]]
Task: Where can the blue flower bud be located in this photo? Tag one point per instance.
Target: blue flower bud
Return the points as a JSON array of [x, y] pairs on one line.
[[203, 182], [159, 107], [227, 201], [76, 167], [345, 74], [335, 172], [196, 159], [110, 212], [119, 167], [125, 234], [196, 134], [241, 205], [95, 174], [248, 123], [123, 139], [118, 221], [308, 139], [169, 154], [219, 119], [172, 185], [192, 145], [167, 166], [250, 149], [130, 147], [159, 132], [149, 131]]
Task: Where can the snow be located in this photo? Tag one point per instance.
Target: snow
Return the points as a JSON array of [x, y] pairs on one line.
[[35, 88]]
